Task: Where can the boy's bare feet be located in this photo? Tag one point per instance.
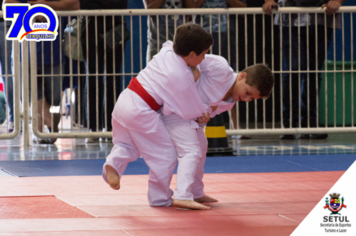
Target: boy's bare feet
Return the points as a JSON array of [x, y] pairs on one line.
[[113, 177], [205, 198], [190, 204]]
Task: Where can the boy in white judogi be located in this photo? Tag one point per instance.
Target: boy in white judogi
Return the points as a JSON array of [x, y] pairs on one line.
[[165, 85], [220, 88]]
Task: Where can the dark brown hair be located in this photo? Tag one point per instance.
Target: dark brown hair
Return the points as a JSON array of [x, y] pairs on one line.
[[260, 77], [191, 38]]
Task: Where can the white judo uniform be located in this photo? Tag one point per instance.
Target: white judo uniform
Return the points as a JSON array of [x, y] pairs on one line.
[[138, 129], [216, 78]]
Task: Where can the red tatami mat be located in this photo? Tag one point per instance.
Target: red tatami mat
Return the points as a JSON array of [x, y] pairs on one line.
[[38, 208], [250, 204]]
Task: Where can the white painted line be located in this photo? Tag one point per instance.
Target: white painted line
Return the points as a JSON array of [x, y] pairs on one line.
[[287, 218]]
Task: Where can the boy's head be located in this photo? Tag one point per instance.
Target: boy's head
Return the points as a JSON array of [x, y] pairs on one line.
[[254, 82], [192, 42]]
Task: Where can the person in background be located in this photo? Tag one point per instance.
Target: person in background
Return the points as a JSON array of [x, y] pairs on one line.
[[220, 46], [5, 61], [101, 57], [303, 45], [48, 64], [2, 107], [157, 33]]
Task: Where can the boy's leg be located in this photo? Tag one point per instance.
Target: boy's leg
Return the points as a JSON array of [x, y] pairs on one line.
[[154, 145], [186, 142], [198, 186], [123, 152], [160, 155]]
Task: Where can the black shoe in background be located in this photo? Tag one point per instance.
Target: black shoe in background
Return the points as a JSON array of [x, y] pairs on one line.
[[318, 136], [288, 137]]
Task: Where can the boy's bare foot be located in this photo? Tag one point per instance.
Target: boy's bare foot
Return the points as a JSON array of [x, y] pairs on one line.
[[205, 198], [113, 177], [190, 204]]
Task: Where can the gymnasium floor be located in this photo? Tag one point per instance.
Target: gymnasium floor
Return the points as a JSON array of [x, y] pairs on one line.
[[262, 189]]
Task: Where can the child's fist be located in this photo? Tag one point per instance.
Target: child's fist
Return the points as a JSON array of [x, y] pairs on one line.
[[204, 118]]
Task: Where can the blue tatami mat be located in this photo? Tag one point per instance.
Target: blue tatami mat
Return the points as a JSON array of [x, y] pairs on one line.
[[65, 168], [228, 164], [266, 163]]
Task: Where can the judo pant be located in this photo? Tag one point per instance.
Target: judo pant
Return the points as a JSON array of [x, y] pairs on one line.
[[156, 149], [191, 145]]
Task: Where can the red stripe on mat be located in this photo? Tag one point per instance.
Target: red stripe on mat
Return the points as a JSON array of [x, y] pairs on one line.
[[42, 207]]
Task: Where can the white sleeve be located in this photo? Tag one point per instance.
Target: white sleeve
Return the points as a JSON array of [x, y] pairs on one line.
[[219, 77], [182, 96]]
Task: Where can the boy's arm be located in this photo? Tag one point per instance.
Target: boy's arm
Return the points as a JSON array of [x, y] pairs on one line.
[[175, 84], [206, 116], [181, 95], [218, 78]]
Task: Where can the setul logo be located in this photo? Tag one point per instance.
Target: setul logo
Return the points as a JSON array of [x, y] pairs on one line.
[[335, 222], [335, 205]]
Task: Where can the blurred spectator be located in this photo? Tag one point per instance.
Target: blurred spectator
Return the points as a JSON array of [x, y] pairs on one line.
[[158, 27], [220, 46], [49, 64], [5, 61], [102, 57], [2, 107], [304, 53]]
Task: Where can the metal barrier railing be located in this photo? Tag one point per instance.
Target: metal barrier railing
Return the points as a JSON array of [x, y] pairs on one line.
[[14, 86], [251, 37]]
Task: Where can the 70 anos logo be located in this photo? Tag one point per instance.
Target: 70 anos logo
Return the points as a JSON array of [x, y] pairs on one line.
[[25, 23]]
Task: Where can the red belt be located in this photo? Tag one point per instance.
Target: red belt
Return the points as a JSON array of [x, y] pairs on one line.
[[137, 88]]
